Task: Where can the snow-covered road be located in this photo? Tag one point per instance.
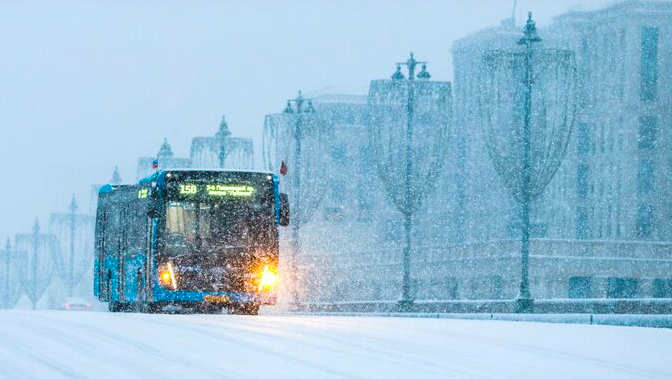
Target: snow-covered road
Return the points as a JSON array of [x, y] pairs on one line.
[[53, 344]]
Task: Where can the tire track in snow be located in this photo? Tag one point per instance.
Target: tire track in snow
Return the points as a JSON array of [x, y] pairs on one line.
[[382, 354], [34, 356], [9, 346], [70, 340], [417, 364], [146, 349], [537, 350], [236, 341], [400, 349]]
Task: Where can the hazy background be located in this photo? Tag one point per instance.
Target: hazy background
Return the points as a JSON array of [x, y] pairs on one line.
[[86, 85]]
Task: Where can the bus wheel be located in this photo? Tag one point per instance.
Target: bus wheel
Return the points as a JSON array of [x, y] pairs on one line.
[[250, 309], [113, 306], [152, 308], [212, 309]]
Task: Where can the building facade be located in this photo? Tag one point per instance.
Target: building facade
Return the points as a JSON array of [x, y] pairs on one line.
[[222, 151], [356, 217], [165, 159], [601, 229], [602, 226], [218, 151]]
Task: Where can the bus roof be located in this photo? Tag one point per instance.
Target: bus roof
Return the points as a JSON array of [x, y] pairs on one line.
[[111, 187], [150, 178]]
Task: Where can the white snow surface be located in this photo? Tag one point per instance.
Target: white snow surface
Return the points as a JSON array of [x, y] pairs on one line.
[[59, 344]]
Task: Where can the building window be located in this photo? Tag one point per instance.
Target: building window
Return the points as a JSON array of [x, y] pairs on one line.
[[583, 138], [582, 180], [645, 177], [579, 287], [451, 288], [621, 288], [581, 223], [621, 81], [365, 204], [496, 287], [338, 155], [662, 288], [644, 221], [649, 64], [584, 74], [392, 230], [602, 138], [646, 138]]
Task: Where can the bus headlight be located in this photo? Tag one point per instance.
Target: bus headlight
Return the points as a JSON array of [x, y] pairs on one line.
[[267, 279], [167, 276]]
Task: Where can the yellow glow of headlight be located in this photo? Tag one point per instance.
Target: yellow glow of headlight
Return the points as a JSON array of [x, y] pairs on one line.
[[268, 278], [167, 276]]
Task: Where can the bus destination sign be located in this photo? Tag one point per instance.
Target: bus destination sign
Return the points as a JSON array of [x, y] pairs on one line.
[[216, 190]]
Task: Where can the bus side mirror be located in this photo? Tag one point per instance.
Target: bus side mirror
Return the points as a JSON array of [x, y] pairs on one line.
[[153, 210], [284, 209], [153, 207]]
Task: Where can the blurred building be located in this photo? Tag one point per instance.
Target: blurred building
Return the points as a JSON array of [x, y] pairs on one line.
[[352, 215], [218, 151], [165, 159], [222, 151], [355, 219], [601, 229]]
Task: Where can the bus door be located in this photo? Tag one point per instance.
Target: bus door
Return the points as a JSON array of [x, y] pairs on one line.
[[150, 251], [119, 285]]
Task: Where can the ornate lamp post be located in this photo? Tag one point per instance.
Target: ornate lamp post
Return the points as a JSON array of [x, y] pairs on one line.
[[222, 135], [36, 264], [408, 147], [74, 233], [116, 178], [71, 262], [10, 290], [304, 201], [528, 108], [408, 172]]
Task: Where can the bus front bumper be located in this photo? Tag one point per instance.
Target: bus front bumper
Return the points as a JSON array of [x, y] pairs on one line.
[[263, 298]]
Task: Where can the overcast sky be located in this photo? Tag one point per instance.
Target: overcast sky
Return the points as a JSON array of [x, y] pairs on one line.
[[89, 85]]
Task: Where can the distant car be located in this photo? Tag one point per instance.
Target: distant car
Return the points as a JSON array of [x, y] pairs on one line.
[[76, 304]]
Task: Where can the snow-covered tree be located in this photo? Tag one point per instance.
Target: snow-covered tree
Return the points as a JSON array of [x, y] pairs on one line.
[[35, 262]]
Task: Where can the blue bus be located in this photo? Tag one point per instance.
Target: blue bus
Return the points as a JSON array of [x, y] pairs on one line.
[[202, 240]]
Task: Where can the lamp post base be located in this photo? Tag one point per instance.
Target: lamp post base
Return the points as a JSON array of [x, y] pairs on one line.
[[405, 305], [524, 305]]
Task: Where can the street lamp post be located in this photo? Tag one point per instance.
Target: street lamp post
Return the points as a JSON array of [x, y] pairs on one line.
[[36, 244], [9, 288], [528, 109], [7, 268], [222, 135], [529, 38], [71, 261], [297, 135], [411, 63], [35, 261]]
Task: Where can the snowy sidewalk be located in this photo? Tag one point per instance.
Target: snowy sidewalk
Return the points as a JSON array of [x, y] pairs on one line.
[[53, 344]]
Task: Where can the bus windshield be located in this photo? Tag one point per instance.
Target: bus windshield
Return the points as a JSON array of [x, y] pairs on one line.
[[216, 226]]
